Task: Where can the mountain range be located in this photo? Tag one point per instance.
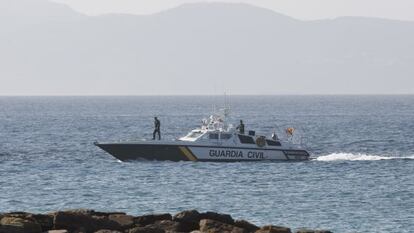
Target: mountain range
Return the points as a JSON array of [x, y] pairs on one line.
[[47, 48]]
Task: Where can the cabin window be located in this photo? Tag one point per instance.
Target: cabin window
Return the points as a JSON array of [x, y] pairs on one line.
[[213, 136], [225, 136], [246, 139], [273, 143]]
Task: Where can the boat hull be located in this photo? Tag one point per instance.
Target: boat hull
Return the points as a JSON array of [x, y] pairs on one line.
[[167, 152]]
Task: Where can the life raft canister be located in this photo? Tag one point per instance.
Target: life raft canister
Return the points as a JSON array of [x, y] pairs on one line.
[[261, 141], [289, 131]]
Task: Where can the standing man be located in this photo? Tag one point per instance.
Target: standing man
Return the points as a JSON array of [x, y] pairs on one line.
[[157, 125], [241, 127], [275, 137]]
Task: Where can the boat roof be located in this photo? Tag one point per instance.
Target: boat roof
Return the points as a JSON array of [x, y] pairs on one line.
[[216, 123]]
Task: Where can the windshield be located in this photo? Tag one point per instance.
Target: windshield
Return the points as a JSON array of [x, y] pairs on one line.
[[223, 136], [195, 134]]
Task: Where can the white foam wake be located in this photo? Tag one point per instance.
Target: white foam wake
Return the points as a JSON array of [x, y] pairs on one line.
[[357, 157]]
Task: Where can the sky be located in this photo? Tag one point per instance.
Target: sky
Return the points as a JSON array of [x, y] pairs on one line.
[[205, 48], [300, 9]]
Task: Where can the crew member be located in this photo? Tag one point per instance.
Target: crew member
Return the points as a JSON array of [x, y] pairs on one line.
[[274, 136], [241, 127], [157, 125]]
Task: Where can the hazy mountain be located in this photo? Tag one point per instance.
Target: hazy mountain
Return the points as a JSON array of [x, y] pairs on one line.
[[47, 48], [34, 11]]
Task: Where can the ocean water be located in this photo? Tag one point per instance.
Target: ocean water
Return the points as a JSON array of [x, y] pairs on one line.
[[361, 177]]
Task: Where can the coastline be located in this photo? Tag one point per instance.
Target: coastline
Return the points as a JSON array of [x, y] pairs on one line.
[[90, 221]]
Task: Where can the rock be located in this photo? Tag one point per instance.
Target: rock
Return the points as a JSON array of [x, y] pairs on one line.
[[83, 221], [273, 229], [22, 215], [213, 226], [146, 229], [10, 224], [90, 221], [45, 221], [17, 214], [148, 219], [189, 218], [224, 218], [125, 221], [80, 211], [246, 225], [106, 223], [169, 226], [304, 230], [106, 214], [107, 231]]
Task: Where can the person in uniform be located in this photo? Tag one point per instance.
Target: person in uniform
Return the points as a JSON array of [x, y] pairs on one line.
[[275, 137], [157, 125], [241, 127]]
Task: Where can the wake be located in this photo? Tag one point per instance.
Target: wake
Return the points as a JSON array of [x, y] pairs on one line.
[[358, 157]]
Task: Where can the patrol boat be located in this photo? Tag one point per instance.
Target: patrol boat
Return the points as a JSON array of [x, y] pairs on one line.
[[214, 141]]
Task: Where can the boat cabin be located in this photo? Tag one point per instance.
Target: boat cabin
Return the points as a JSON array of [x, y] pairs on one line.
[[229, 137], [215, 130]]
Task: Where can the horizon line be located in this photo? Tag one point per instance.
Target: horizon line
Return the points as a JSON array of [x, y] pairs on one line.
[[206, 95]]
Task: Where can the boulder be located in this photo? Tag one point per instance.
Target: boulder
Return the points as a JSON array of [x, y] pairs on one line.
[[45, 221], [246, 225], [83, 221], [105, 223], [89, 212], [17, 214], [106, 214], [146, 229], [213, 226], [23, 215], [169, 226], [304, 230], [187, 216], [151, 218], [224, 218], [273, 229], [190, 219], [10, 224], [125, 221], [107, 231], [90, 221], [80, 211]]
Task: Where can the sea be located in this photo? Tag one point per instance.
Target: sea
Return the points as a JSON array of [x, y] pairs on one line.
[[360, 177]]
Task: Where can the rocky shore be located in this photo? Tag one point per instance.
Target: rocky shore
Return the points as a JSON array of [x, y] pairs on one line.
[[90, 221]]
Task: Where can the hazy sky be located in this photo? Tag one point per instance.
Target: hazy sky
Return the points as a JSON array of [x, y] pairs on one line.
[[301, 9], [205, 48]]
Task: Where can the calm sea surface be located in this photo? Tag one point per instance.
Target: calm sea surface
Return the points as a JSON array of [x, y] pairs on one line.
[[360, 180]]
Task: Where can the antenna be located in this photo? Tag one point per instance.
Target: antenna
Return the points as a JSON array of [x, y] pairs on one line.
[[213, 106], [226, 106], [225, 100]]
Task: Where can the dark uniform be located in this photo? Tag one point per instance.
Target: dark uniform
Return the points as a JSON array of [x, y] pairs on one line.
[[241, 127], [157, 125], [275, 137]]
